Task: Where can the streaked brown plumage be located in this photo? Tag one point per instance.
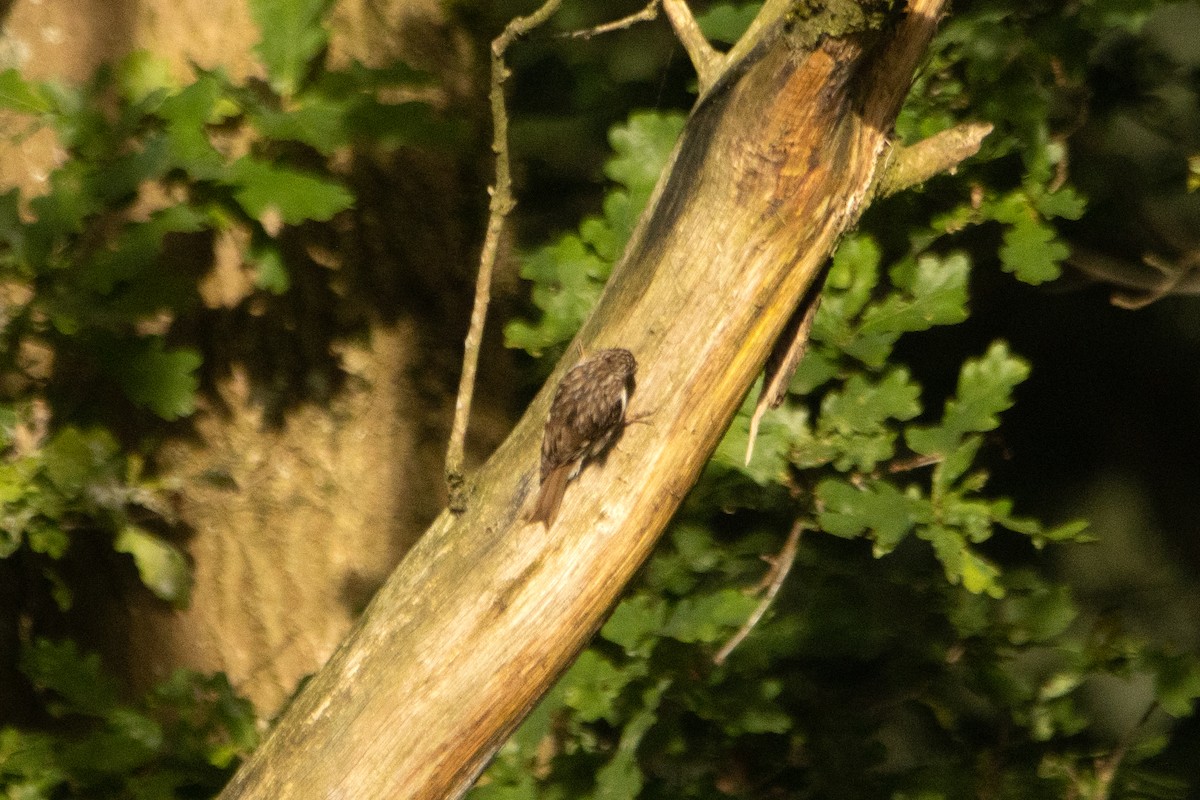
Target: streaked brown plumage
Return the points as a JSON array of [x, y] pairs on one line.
[[587, 414]]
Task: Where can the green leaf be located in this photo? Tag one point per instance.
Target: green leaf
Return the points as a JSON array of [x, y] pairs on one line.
[[62, 594], [208, 703], [136, 727], [569, 274], [29, 764], [641, 148], [878, 507], [1041, 613], [726, 22], [343, 109], [293, 34], [82, 685], [73, 458], [187, 115], [621, 778], [634, 624], [866, 407], [934, 293], [135, 255], [162, 380], [955, 463], [960, 563], [17, 94], [1065, 203], [696, 545], [1032, 251], [48, 538], [143, 75], [568, 278], [319, 122], [1103, 15], [593, 683], [270, 271], [853, 276], [412, 123], [162, 568], [780, 434], [63, 209], [710, 617], [12, 231], [817, 368], [1177, 683], [296, 196], [931, 291], [985, 387]]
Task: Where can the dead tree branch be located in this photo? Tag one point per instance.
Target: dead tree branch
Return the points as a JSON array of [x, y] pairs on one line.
[[781, 565], [501, 205]]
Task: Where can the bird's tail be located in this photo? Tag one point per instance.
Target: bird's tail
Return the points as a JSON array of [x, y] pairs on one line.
[[550, 495]]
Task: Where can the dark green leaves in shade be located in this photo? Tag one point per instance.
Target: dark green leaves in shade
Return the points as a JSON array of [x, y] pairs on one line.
[[182, 737], [262, 187], [726, 22], [161, 379], [569, 273], [105, 261], [82, 474]]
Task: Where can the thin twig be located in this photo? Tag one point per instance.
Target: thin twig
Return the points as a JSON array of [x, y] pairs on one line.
[[1106, 767], [781, 565], [650, 12], [913, 462], [703, 55], [502, 203]]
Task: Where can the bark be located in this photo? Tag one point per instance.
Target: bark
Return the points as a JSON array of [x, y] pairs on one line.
[[485, 612]]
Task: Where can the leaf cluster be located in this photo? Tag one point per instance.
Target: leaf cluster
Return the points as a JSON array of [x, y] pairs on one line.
[[918, 648], [183, 739], [160, 182], [78, 482], [569, 273], [94, 262], [163, 187]]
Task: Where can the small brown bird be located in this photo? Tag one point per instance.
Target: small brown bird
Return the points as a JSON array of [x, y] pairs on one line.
[[587, 414]]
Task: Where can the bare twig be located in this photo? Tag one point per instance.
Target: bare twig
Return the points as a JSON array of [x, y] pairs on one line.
[[1106, 767], [911, 463], [502, 203], [781, 565], [650, 12], [704, 56]]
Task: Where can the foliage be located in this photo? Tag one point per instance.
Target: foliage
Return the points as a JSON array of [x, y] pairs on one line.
[[161, 184], [73, 483], [183, 739], [919, 647], [99, 267], [569, 273]]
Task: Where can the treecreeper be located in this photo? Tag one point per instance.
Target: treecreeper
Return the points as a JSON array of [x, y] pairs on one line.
[[586, 416]]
